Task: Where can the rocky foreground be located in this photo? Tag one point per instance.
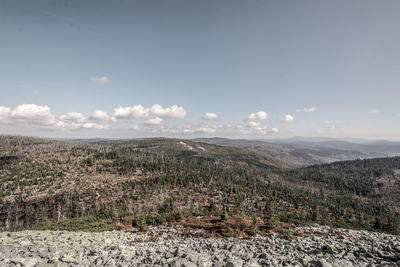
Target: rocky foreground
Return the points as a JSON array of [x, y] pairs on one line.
[[304, 246]]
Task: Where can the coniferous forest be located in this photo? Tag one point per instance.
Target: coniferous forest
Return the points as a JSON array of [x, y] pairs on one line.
[[94, 186]]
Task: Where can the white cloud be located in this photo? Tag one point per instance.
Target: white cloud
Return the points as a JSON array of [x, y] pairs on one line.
[[4, 114], [73, 117], [288, 117], [72, 125], [31, 112], [258, 116], [202, 129], [41, 116], [27, 114], [137, 111], [154, 122], [100, 79], [373, 111], [205, 130], [75, 121], [210, 116], [253, 127], [174, 112], [312, 109], [100, 115], [188, 131], [254, 124]]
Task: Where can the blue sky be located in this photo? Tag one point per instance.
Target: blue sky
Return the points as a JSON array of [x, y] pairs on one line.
[[155, 68]]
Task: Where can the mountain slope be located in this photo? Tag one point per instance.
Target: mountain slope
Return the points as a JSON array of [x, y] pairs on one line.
[[48, 181], [292, 154]]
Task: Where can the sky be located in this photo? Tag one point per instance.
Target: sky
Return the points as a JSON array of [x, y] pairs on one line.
[[236, 69]]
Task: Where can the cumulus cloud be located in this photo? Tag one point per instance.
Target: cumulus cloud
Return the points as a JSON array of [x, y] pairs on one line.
[[203, 129], [174, 112], [154, 122], [252, 127], [254, 124], [4, 114], [258, 116], [210, 116], [373, 111], [206, 130], [100, 115], [288, 118], [27, 113], [41, 116], [73, 125], [188, 131], [137, 111], [247, 128], [100, 79], [75, 121], [312, 109], [73, 117], [31, 112]]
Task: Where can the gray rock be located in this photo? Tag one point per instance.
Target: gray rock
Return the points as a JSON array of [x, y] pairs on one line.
[[157, 248], [31, 262], [68, 259], [342, 263], [231, 264], [184, 263], [320, 263], [327, 249], [204, 261], [109, 262], [350, 256], [25, 243], [235, 248]]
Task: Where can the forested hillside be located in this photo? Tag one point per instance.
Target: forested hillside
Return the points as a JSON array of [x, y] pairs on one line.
[[296, 154], [153, 180]]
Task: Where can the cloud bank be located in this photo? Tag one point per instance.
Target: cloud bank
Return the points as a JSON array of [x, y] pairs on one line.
[[156, 120], [41, 116]]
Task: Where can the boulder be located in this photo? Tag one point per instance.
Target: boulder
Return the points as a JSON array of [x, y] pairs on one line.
[[68, 259], [320, 263]]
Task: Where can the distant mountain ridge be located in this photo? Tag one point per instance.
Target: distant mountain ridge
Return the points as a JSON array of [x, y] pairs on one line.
[[298, 152]]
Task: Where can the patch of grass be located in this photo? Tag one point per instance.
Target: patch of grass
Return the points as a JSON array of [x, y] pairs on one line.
[[90, 223]]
